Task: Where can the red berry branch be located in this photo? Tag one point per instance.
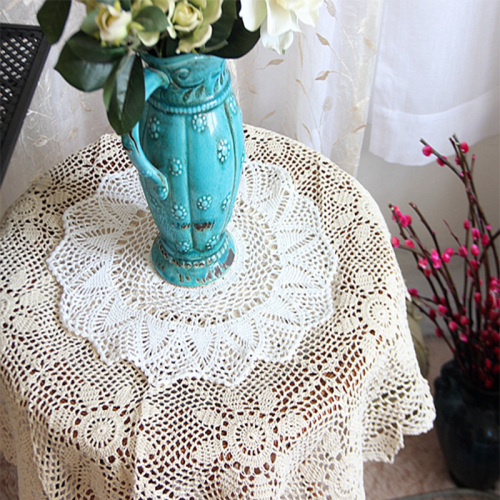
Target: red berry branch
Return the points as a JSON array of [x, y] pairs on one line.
[[468, 319]]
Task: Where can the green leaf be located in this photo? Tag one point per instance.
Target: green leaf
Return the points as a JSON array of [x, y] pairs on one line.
[[214, 49], [84, 75], [89, 48], [152, 18], [166, 47], [126, 4], [223, 27], [52, 18], [110, 84], [124, 94], [240, 42]]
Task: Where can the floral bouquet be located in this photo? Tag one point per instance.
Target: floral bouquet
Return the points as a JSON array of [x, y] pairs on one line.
[[467, 317], [105, 52]]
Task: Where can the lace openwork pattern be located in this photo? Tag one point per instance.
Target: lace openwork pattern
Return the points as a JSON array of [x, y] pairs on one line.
[[279, 286], [79, 428]]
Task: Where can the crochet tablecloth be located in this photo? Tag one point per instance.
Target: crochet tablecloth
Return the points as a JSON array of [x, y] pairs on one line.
[[78, 428]]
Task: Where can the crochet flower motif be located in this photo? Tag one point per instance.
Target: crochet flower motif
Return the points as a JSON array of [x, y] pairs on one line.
[[251, 437], [101, 428], [17, 312], [27, 206], [380, 312]]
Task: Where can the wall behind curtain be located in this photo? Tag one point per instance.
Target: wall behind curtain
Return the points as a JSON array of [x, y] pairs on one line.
[[439, 195]]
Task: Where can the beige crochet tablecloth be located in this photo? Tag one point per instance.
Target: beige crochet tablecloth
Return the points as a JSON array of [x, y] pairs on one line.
[[80, 428]]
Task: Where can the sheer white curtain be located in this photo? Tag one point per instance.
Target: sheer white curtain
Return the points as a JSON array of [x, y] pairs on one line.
[[318, 92], [60, 120], [437, 74]]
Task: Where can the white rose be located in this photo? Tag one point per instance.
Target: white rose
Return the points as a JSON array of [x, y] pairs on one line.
[[186, 16], [278, 19], [279, 43], [193, 21], [113, 23]]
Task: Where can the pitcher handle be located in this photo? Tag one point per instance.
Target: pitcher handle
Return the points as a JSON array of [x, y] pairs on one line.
[[152, 81]]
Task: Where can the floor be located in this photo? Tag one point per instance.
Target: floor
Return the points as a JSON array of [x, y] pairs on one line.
[[418, 468]]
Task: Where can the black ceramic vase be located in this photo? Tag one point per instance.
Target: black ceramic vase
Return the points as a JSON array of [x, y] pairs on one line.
[[467, 424]]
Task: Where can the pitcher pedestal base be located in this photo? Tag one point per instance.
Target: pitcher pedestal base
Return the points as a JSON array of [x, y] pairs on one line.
[[192, 273]]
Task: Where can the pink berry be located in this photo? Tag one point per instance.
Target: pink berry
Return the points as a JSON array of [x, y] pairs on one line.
[[422, 263], [427, 150], [442, 310]]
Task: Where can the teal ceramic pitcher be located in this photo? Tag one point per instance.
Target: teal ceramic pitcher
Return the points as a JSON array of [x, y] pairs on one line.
[[189, 150]]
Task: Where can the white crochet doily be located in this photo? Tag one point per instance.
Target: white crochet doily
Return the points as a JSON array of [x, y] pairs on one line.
[[278, 287]]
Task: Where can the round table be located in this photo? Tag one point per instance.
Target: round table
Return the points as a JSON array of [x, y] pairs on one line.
[[77, 427]]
